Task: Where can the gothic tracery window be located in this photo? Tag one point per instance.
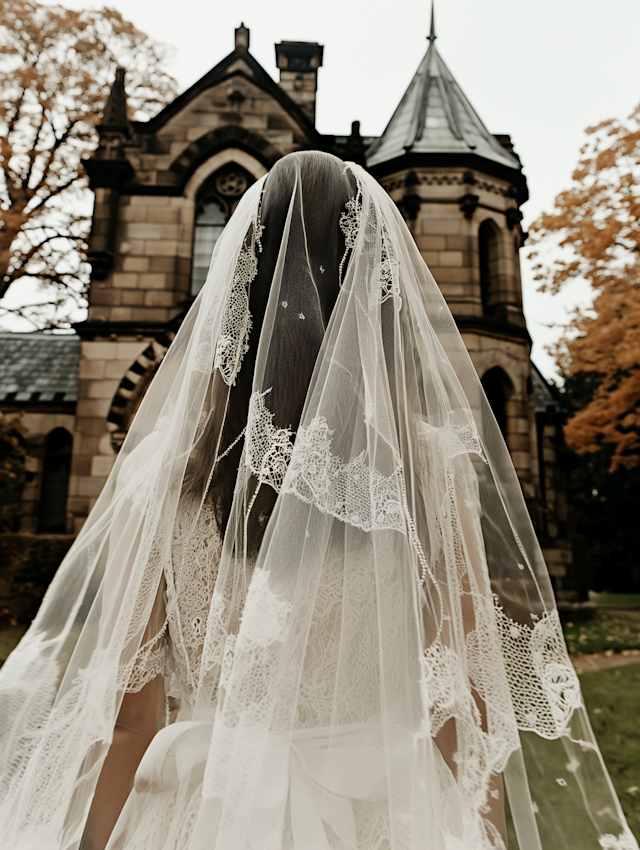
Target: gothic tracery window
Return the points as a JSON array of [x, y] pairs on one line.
[[210, 221], [217, 199]]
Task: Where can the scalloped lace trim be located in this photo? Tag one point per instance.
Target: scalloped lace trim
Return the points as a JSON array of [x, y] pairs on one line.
[[452, 440], [190, 580], [625, 841], [149, 663], [350, 492], [389, 267], [350, 223], [545, 690], [268, 449], [233, 337]]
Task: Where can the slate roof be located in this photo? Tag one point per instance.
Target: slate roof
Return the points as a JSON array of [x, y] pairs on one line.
[[543, 395], [39, 367], [434, 116]]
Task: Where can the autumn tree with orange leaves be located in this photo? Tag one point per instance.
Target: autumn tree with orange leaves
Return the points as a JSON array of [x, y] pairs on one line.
[[56, 69], [595, 230]]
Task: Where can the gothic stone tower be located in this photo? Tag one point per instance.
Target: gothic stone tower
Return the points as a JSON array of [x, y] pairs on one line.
[[165, 188], [460, 189]]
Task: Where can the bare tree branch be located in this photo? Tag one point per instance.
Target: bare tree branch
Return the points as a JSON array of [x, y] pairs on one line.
[[56, 69]]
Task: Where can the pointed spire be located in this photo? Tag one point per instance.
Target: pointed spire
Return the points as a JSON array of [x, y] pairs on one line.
[[435, 117], [114, 116], [432, 32]]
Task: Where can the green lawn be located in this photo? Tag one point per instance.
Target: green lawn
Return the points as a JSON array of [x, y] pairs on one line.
[[617, 600], [613, 700], [609, 630]]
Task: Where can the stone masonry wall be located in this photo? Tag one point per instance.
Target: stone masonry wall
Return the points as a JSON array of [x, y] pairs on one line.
[[103, 364]]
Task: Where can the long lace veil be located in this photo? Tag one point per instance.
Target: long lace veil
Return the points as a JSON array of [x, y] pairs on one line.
[[314, 539]]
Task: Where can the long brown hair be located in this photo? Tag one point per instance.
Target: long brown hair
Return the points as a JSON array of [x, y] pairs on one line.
[[292, 359]]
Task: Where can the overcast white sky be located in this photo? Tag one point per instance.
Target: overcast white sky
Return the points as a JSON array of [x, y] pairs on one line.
[[540, 70]]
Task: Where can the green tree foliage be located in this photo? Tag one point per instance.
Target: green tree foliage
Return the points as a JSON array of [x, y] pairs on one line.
[[13, 474], [594, 235], [605, 504]]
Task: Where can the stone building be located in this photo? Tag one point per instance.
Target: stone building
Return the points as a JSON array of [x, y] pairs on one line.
[[39, 380], [165, 188]]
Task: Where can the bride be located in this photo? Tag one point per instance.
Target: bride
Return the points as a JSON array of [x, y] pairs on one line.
[[308, 611]]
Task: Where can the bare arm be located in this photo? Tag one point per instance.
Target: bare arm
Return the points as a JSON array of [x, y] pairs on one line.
[[141, 715], [446, 740]]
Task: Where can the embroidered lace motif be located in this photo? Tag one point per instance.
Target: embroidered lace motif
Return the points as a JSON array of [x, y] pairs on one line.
[[350, 223], [149, 663], [233, 337], [388, 267], [227, 661], [190, 578], [625, 841], [268, 449], [442, 684], [215, 647], [545, 689], [197, 547], [204, 351], [452, 440], [82, 714], [315, 707], [466, 440], [448, 677], [351, 492]]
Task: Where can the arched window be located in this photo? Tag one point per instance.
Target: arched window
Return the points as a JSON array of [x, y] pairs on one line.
[[55, 481], [217, 199], [210, 221], [498, 389], [489, 253]]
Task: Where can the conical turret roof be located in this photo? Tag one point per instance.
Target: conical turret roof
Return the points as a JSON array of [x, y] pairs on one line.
[[435, 116]]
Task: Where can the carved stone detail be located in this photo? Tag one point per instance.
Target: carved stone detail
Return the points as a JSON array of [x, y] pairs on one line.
[[468, 204]]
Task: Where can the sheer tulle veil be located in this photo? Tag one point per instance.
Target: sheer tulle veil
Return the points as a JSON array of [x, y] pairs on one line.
[[314, 539]]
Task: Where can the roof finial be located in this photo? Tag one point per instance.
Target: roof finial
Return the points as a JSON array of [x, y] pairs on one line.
[[242, 38], [432, 33], [114, 116]]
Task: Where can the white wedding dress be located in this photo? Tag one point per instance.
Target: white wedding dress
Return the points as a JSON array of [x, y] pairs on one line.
[[311, 577]]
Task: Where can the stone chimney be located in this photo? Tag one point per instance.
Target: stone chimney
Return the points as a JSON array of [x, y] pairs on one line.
[[298, 62]]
